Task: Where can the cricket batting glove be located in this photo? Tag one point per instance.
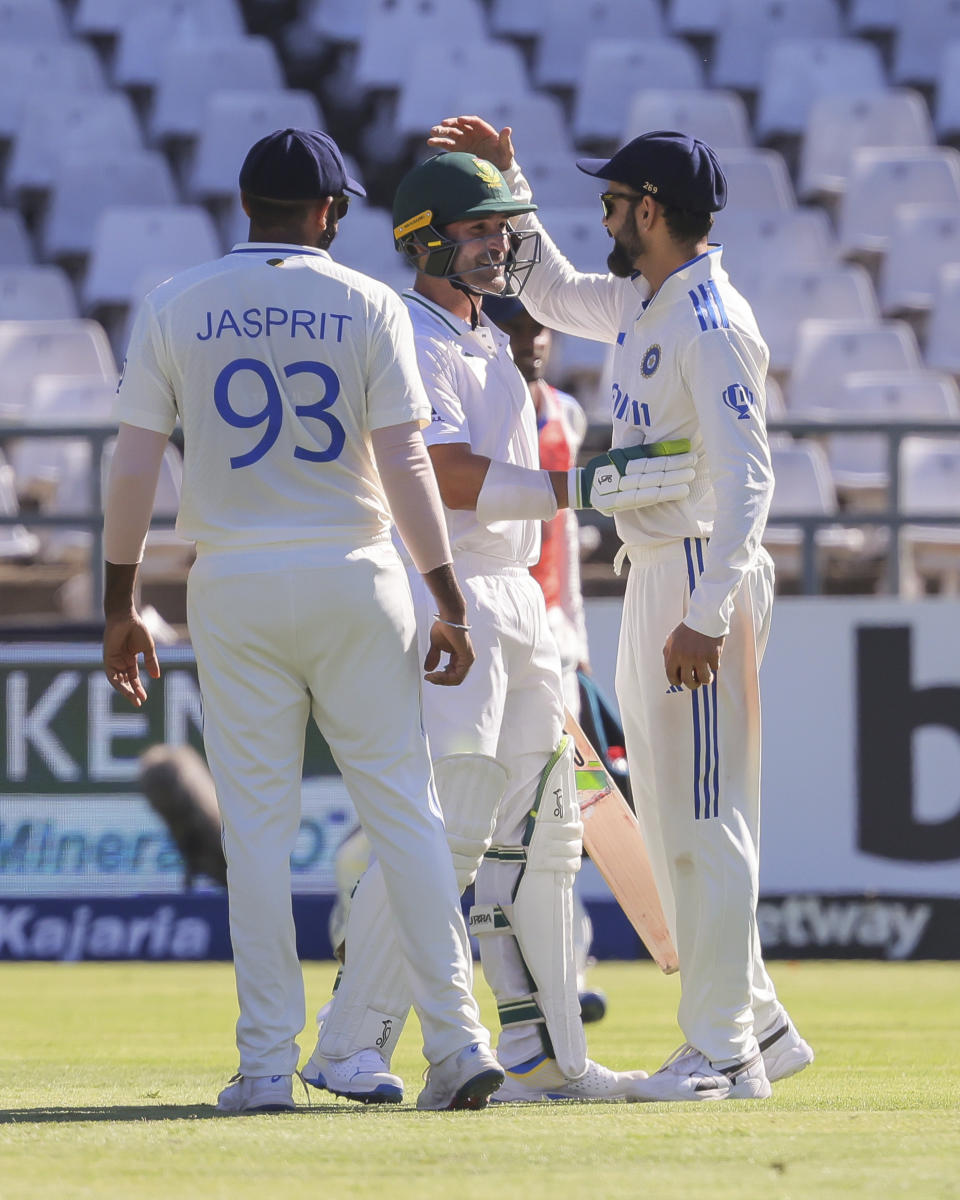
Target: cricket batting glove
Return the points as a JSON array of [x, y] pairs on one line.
[[633, 477]]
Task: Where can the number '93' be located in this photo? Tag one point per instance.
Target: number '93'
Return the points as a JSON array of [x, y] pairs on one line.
[[271, 415]]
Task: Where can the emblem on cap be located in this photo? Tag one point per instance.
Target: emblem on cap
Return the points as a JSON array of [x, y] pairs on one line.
[[487, 172]]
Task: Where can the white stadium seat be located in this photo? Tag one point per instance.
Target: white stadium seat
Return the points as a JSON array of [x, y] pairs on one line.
[[15, 248], [16, 543], [518, 18], [925, 238], [130, 240], [436, 80], [717, 118], [537, 120], [192, 72], [107, 18], [557, 183], [774, 240], [942, 343], [365, 243], [828, 350], [882, 180], [149, 30], [609, 78], [84, 186], [338, 20], [231, 124], [757, 179], [693, 18], [580, 235], [797, 72], [34, 69], [57, 125], [32, 348], [930, 483], [569, 32], [924, 27], [840, 124], [748, 28], [39, 21], [948, 93], [872, 16], [395, 28], [35, 294]]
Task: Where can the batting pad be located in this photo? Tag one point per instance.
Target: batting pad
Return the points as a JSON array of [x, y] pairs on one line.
[[470, 788]]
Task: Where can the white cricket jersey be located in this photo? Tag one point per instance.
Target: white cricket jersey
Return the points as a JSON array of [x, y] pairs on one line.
[[478, 396], [689, 363], [278, 362]]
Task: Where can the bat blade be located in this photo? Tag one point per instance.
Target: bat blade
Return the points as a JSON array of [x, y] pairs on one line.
[[612, 838]]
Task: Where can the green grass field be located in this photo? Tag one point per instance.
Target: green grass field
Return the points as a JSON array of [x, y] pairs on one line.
[[108, 1075]]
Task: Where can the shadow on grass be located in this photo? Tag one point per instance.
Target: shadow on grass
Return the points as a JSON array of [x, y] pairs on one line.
[[171, 1112]]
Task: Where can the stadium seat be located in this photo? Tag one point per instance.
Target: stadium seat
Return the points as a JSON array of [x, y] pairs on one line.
[[35, 294], [580, 235], [192, 72], [83, 187], [34, 69], [930, 483], [108, 18], [16, 543], [537, 120], [799, 71], [880, 181], [557, 183], [866, 17], [15, 248], [518, 18], [925, 238], [365, 243], [57, 125], [924, 27], [570, 31], [748, 28], [435, 80], [129, 240], [827, 350], [231, 124], [804, 487], [71, 400], [774, 240], [717, 118], [947, 117], [147, 32], [942, 344], [860, 462], [782, 299], [758, 180], [32, 348], [395, 28], [693, 18], [341, 21], [840, 124], [37, 21], [610, 74]]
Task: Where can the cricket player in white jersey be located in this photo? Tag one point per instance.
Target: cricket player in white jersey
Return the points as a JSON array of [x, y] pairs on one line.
[[296, 383], [689, 363], [503, 767]]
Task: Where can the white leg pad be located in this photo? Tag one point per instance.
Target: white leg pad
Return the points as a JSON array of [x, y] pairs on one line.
[[470, 788], [542, 911]]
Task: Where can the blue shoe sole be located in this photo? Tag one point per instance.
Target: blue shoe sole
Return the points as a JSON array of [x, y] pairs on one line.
[[383, 1093]]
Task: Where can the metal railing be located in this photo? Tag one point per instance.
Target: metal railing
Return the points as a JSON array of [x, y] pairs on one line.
[[891, 517]]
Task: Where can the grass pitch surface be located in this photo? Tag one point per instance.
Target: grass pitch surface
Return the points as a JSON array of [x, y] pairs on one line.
[[108, 1074]]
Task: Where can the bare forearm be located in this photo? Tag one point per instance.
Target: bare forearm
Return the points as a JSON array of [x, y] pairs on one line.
[[120, 579], [446, 592]]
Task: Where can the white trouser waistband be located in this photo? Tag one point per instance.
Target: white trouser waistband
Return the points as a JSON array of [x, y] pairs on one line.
[[642, 554], [470, 562]]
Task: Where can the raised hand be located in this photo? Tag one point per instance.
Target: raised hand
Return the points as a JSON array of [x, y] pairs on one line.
[[474, 135]]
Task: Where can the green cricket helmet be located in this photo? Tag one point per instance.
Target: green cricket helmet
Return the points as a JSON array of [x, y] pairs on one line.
[[455, 187]]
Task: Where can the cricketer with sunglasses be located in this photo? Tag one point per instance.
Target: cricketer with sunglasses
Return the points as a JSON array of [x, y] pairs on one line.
[[300, 454], [688, 362]]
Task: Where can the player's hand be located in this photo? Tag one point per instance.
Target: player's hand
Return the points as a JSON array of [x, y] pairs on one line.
[[691, 658], [473, 135], [124, 639], [445, 638], [633, 477]]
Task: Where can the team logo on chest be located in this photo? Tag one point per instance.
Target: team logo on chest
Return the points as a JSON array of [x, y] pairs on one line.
[[650, 361]]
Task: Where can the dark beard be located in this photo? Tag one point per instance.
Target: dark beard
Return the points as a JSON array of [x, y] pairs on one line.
[[620, 262]]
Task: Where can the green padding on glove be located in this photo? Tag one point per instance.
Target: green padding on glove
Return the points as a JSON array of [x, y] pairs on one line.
[[618, 459]]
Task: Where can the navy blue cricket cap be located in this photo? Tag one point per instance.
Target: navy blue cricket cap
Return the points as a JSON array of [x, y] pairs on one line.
[[678, 170], [296, 164]]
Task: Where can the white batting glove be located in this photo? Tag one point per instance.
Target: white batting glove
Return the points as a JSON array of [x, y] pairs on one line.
[[633, 477]]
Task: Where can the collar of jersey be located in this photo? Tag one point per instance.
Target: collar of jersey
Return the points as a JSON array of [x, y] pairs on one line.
[[706, 265], [442, 315], [276, 248]]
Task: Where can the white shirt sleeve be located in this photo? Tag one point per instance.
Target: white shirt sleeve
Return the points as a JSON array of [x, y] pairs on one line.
[[558, 295], [395, 392], [727, 389], [448, 421], [145, 395]]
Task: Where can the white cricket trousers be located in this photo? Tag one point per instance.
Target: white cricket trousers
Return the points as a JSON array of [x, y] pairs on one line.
[[278, 636], [695, 773]]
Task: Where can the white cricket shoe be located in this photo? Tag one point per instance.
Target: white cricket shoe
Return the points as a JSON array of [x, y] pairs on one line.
[[256, 1094], [784, 1050], [362, 1076], [689, 1075], [464, 1079], [541, 1079]]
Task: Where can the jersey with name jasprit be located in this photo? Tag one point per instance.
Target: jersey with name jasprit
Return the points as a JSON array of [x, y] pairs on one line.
[[478, 397], [688, 362], [278, 362]]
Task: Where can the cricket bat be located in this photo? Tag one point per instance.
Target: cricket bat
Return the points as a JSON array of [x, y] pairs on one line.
[[612, 838]]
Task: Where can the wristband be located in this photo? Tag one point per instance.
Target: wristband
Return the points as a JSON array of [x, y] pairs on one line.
[[452, 624]]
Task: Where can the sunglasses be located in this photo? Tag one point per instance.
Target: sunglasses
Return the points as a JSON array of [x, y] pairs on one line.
[[608, 199], [341, 204]]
